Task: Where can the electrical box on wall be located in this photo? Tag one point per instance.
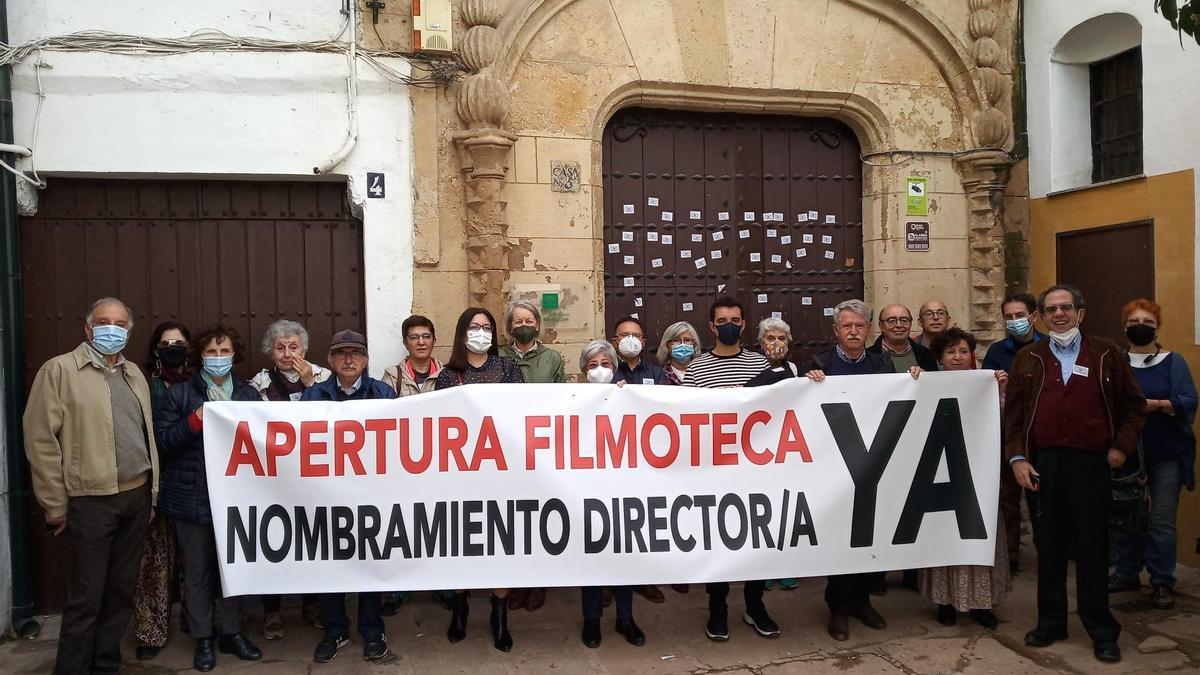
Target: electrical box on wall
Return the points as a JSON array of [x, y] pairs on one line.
[[433, 26]]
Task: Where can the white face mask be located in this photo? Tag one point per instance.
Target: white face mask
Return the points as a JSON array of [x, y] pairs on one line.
[[600, 375], [629, 346], [1065, 338], [479, 341]]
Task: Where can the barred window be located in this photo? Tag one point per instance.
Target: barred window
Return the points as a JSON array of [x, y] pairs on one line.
[[1116, 97]]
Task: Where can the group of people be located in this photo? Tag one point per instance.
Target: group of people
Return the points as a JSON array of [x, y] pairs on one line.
[[99, 435]]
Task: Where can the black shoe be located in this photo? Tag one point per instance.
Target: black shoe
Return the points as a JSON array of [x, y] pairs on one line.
[[147, 652], [762, 622], [947, 615], [718, 625], [499, 621], [633, 634], [1163, 598], [240, 647], [328, 648], [460, 608], [870, 618], [591, 634], [839, 627], [390, 605], [1039, 637], [375, 648], [986, 618], [1108, 652], [204, 659], [1118, 584]]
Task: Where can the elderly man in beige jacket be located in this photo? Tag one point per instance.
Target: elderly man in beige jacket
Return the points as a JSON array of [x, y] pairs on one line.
[[89, 439]]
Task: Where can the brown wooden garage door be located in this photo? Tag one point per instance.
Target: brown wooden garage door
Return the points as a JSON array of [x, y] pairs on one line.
[[242, 253], [768, 209]]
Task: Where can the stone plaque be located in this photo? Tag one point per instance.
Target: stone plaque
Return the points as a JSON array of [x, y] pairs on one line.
[[564, 176]]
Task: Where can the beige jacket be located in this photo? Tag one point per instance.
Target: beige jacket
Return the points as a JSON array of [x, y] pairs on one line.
[[69, 431], [399, 378]]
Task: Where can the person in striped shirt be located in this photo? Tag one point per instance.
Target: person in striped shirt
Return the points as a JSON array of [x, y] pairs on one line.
[[729, 365]]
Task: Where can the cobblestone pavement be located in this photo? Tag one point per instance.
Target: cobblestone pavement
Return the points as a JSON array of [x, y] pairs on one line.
[[547, 641]]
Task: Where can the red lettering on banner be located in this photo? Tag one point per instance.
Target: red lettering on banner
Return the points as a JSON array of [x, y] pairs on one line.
[[417, 465], [348, 440], [309, 448], [380, 427], [722, 438], [624, 445], [667, 422], [791, 439], [755, 457], [244, 451], [451, 446], [276, 449], [578, 462], [559, 432], [694, 421], [488, 447], [533, 442]]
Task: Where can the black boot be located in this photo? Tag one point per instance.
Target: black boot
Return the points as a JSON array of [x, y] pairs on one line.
[[458, 617], [499, 620]]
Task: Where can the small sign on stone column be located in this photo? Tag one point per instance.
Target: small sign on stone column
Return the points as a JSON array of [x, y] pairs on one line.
[[916, 236], [564, 176]]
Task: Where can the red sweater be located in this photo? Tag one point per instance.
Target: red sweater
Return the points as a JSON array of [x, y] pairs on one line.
[[1074, 415]]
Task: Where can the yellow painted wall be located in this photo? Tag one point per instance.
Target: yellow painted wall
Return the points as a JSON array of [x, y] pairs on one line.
[[1169, 201]]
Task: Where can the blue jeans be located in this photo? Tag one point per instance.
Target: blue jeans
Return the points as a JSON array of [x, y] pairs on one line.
[[1156, 548]]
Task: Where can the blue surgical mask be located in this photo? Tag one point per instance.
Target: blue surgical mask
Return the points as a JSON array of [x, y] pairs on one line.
[[109, 339], [728, 333], [218, 366], [1018, 327], [682, 352]]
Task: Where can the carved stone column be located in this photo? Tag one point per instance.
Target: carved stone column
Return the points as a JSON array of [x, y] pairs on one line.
[[483, 149], [985, 173]]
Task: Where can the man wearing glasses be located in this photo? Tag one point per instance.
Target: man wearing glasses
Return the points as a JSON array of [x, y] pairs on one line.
[[630, 342], [935, 318], [895, 322], [1073, 412]]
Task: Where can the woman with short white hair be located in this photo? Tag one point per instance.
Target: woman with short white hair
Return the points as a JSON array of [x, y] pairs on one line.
[[775, 340], [679, 345]]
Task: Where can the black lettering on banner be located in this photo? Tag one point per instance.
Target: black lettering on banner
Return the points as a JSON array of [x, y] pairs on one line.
[[429, 532], [368, 532], [732, 501], [957, 495], [238, 532], [311, 534], [616, 524], [635, 518], [683, 544], [555, 506], [527, 507], [705, 502], [594, 544], [658, 523], [803, 524], [343, 532], [454, 529], [472, 527], [783, 518], [760, 519], [866, 468], [276, 512], [397, 534], [500, 527]]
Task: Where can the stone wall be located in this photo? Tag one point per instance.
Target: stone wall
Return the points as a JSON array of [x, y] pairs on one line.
[[927, 88]]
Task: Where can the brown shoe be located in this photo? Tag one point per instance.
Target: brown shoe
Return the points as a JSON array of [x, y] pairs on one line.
[[535, 598], [680, 588], [516, 598], [839, 627], [651, 593]]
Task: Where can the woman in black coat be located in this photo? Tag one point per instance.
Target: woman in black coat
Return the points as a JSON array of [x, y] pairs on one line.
[[183, 490]]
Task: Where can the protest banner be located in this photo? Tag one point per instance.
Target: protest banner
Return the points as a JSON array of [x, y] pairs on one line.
[[500, 485]]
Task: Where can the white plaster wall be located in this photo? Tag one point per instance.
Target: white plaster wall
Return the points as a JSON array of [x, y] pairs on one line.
[[253, 115]]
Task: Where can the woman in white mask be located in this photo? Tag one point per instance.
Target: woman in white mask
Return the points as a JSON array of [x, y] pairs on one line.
[[475, 359]]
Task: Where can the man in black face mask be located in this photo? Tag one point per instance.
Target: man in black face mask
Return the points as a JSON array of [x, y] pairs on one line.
[[728, 365]]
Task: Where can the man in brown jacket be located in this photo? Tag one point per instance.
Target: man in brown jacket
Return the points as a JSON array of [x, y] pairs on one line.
[[95, 474], [1073, 412]]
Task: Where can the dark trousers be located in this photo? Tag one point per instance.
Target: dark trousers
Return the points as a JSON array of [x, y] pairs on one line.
[[202, 582], [593, 602], [370, 618], [752, 591], [849, 593], [272, 603], [1010, 510], [107, 536], [1073, 503]]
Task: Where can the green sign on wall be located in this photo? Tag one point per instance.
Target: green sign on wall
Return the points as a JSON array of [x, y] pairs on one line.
[[917, 202]]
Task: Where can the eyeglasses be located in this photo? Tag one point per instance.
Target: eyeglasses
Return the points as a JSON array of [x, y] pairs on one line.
[[934, 314], [485, 327], [1054, 309], [622, 336], [897, 321], [420, 337], [681, 341]]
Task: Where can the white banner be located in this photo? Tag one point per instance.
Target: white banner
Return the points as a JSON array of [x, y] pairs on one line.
[[507, 486]]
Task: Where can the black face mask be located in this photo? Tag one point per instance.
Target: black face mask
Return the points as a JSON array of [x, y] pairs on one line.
[[173, 356], [525, 334], [729, 333], [1140, 334]]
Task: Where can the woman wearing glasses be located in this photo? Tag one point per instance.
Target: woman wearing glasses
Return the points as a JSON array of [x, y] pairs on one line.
[[475, 359], [680, 344]]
